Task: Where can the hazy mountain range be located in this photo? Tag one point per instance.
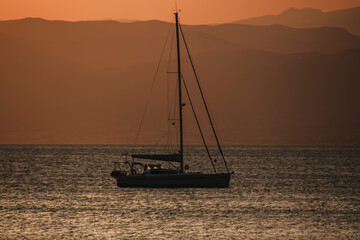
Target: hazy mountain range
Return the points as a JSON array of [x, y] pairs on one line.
[[348, 19], [88, 82]]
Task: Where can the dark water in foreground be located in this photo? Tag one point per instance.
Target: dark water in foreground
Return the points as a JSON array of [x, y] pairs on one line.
[[56, 191]]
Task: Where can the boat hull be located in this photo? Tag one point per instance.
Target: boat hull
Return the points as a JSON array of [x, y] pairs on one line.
[[176, 180]]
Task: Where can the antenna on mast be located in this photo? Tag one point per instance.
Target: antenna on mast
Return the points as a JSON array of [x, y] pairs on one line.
[[176, 7]]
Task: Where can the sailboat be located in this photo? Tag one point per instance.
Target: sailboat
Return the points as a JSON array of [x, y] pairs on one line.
[[127, 173]]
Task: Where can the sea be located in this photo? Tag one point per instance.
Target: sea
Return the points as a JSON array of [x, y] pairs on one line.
[[287, 192]]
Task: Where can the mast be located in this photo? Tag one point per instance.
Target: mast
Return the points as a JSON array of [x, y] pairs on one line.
[[180, 101]]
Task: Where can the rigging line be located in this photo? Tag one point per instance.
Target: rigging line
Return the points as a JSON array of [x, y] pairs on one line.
[[152, 86], [177, 131], [203, 98], [160, 139], [198, 124], [173, 117], [168, 75], [168, 88]]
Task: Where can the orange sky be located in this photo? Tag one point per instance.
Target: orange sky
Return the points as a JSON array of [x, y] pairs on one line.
[[193, 11]]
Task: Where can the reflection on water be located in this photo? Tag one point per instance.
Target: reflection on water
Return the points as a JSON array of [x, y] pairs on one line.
[[56, 191]]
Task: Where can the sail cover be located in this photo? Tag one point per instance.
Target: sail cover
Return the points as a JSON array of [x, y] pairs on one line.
[[160, 157]]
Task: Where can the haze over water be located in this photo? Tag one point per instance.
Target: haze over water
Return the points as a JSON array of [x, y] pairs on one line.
[[66, 192]]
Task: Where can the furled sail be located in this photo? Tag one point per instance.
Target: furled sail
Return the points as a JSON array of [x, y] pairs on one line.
[[160, 157]]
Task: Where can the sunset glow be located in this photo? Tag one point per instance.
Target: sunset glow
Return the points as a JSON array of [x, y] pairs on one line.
[[179, 119], [193, 11]]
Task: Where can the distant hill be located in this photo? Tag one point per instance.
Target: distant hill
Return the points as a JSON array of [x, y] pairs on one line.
[[281, 39], [348, 19], [87, 82], [114, 44]]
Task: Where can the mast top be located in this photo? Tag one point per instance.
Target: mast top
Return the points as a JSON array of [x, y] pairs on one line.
[[176, 10]]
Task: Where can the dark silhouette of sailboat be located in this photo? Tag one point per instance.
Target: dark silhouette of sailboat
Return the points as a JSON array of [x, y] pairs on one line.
[[154, 175]]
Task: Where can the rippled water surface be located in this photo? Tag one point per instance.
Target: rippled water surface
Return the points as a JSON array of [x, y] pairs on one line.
[[57, 192]]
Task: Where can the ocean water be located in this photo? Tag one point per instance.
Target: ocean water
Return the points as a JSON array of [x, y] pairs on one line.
[[66, 192]]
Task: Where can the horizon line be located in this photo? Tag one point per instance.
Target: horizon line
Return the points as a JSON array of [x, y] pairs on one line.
[[165, 21]]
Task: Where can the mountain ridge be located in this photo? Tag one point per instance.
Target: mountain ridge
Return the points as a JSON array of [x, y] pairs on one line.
[[308, 17]]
